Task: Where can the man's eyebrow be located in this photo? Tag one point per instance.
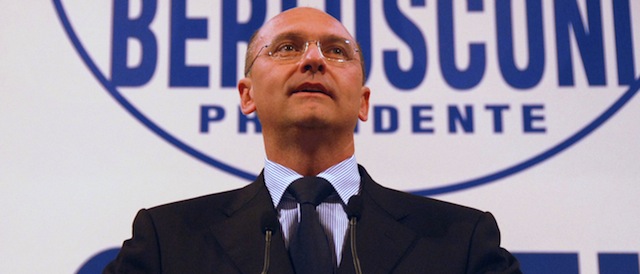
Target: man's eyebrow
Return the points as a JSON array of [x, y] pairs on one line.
[[288, 36]]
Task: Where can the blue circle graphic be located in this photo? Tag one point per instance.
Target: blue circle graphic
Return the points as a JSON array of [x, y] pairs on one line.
[[98, 262], [456, 186]]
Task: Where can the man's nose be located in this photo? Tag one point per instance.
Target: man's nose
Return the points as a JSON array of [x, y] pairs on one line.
[[313, 60]]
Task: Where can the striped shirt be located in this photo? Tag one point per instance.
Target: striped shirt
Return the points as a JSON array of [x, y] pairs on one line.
[[344, 177]]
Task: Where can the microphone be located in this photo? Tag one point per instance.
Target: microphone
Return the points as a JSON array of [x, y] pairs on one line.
[[354, 207], [269, 225], [354, 212]]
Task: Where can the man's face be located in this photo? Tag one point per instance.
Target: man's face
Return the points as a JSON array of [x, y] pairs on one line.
[[312, 90]]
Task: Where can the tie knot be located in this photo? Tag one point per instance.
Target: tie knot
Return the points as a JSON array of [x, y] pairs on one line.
[[310, 190]]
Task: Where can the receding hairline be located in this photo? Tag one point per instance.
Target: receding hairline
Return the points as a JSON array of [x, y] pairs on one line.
[[251, 48]]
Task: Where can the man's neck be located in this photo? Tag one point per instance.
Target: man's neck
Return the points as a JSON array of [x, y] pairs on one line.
[[309, 153]]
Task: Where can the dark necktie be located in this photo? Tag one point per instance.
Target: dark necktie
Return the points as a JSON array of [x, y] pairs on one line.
[[309, 248]]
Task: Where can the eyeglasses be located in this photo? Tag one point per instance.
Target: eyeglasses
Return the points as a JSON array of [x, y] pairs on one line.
[[292, 49]]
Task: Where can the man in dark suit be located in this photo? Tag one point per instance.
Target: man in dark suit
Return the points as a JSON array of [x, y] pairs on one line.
[[305, 80]]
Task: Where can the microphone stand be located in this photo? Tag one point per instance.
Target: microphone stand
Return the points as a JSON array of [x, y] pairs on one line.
[[354, 211], [270, 225]]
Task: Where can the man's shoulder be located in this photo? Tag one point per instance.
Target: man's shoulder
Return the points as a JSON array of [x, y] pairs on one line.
[[209, 200], [207, 207], [400, 203], [427, 216], [415, 204]]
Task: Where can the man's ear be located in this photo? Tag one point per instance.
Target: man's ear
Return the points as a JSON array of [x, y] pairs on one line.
[[363, 113], [247, 105]]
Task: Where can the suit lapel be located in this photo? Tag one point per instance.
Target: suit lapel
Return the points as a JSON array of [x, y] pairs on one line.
[[381, 239], [241, 236]]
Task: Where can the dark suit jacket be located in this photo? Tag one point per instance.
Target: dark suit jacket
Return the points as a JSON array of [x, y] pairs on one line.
[[397, 233]]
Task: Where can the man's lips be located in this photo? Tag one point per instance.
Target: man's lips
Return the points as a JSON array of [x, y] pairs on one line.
[[312, 88]]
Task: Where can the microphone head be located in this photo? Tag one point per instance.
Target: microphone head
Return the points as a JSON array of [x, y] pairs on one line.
[[354, 207], [269, 222]]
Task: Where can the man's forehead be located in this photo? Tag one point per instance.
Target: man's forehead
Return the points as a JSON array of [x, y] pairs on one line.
[[312, 23]]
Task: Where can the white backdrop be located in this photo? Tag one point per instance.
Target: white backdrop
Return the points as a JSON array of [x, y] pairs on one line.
[[75, 166]]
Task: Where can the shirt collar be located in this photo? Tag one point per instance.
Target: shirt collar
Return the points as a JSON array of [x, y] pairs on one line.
[[344, 177]]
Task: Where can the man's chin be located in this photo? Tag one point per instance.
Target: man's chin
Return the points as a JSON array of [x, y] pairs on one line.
[[313, 122]]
